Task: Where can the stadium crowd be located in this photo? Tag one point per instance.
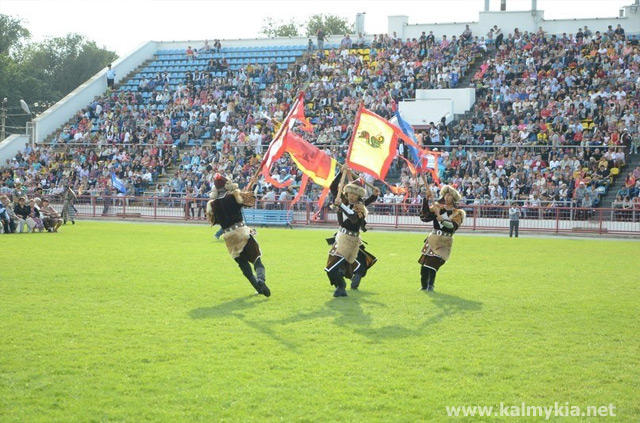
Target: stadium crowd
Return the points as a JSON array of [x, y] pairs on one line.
[[554, 119]]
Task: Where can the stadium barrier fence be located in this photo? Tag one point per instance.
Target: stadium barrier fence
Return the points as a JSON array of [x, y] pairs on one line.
[[490, 218]]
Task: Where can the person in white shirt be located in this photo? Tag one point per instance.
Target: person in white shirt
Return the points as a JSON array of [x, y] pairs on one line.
[[283, 198], [111, 77], [256, 140]]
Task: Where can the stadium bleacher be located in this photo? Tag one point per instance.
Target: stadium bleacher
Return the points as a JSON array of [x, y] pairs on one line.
[[211, 105]]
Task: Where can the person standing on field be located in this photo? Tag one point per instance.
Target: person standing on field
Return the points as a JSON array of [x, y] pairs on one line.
[[514, 219], [68, 209]]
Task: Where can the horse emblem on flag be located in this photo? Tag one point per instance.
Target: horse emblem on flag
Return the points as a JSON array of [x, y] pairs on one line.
[[373, 141]]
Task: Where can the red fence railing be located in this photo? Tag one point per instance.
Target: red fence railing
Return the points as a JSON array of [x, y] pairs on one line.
[[401, 216]]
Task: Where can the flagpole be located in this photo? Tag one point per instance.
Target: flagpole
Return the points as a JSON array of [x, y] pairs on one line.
[[338, 198], [255, 176], [367, 184]]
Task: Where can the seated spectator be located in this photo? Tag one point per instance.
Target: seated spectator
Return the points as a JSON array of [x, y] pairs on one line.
[[6, 222], [346, 42], [22, 212], [51, 218], [36, 221]]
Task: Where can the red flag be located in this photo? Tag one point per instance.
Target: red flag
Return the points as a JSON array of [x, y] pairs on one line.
[[298, 114], [312, 161], [277, 146]]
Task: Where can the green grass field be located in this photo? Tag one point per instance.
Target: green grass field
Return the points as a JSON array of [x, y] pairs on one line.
[[111, 322]]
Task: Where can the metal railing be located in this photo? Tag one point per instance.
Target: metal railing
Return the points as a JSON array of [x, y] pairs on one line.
[[493, 218]]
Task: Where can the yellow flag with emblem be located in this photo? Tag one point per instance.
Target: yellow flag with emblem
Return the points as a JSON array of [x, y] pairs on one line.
[[373, 144]]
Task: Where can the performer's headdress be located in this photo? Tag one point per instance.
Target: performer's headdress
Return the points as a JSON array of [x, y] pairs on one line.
[[221, 183], [448, 189], [356, 187]]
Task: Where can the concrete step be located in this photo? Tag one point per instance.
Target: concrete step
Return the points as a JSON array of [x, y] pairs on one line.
[[632, 162]]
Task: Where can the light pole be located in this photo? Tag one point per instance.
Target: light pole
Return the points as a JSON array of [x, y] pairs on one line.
[[29, 125], [3, 119]]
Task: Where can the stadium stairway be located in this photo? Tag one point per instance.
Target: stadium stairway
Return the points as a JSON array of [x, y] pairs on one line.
[[50, 138], [610, 196], [465, 81]]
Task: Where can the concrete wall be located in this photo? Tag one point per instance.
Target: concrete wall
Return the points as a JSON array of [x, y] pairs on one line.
[[255, 42], [421, 112], [508, 20], [58, 114], [11, 146], [463, 98]]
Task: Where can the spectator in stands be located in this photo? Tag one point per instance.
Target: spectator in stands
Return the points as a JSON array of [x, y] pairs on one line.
[[269, 199], [528, 96], [497, 32], [320, 35], [466, 35], [346, 42], [111, 77]]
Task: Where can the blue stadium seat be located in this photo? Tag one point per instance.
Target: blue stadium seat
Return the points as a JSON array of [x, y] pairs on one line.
[[267, 217]]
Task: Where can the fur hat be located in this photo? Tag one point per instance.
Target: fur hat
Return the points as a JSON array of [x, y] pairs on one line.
[[219, 181], [356, 188], [448, 189]]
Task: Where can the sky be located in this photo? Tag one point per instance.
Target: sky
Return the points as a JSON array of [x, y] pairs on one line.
[[122, 25]]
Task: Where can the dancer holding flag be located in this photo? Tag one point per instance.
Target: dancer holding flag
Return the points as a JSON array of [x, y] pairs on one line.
[[351, 214], [225, 209], [446, 218], [372, 149], [364, 259]]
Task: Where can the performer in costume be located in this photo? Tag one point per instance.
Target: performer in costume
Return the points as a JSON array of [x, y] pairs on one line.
[[365, 259], [446, 218], [225, 209], [68, 209], [343, 256]]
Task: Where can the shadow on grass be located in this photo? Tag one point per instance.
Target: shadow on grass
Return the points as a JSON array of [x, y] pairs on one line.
[[226, 308], [234, 308], [344, 312], [447, 305], [352, 313]]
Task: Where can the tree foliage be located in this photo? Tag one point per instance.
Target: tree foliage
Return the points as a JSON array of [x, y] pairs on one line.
[[12, 34], [42, 73], [272, 28], [330, 24]]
